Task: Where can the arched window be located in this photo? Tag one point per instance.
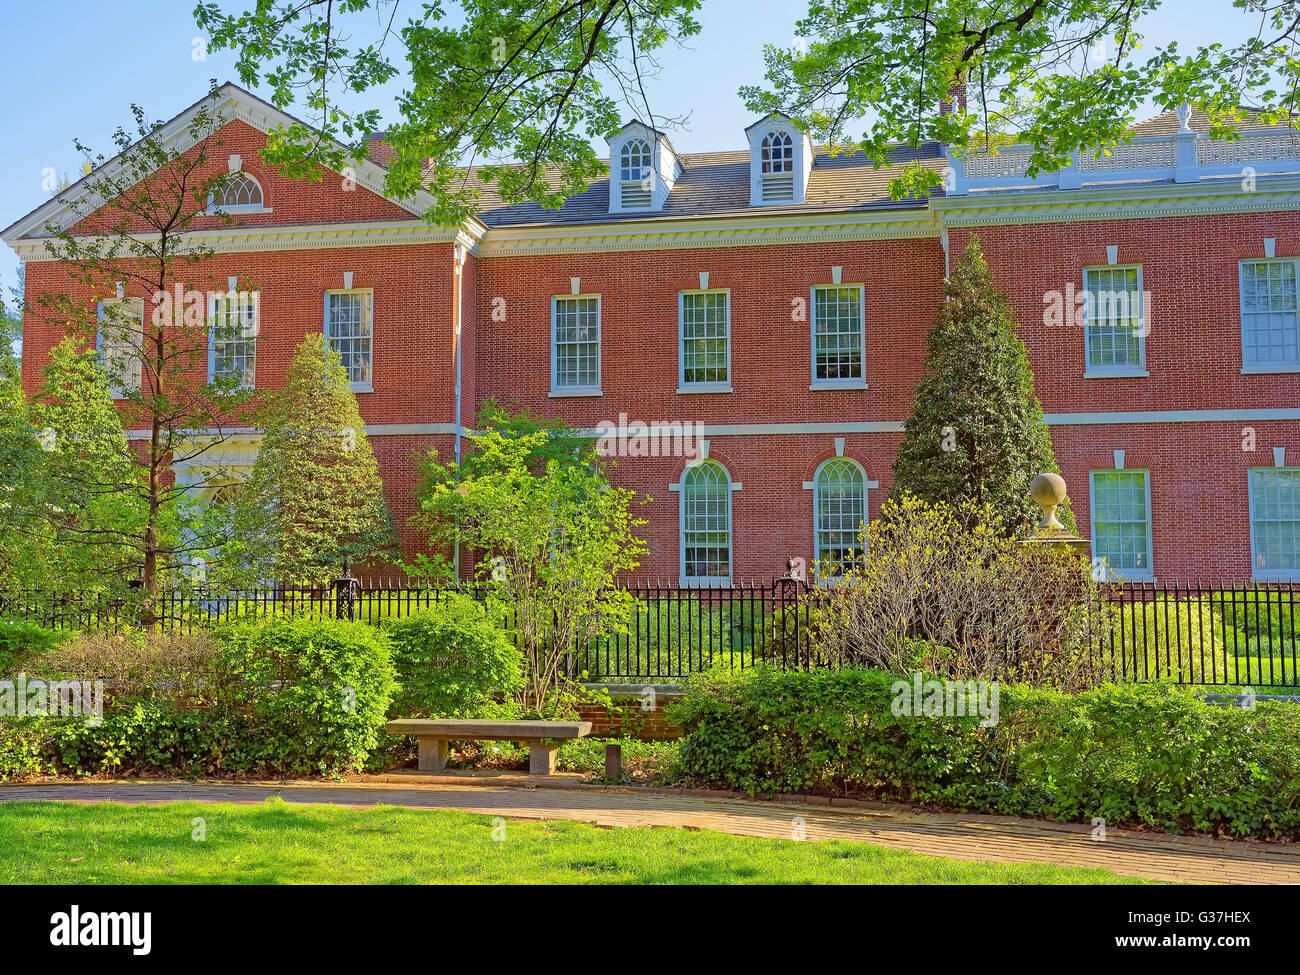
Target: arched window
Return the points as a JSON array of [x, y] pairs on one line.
[[634, 174], [706, 524], [237, 192], [225, 492], [776, 167], [778, 153], [840, 502]]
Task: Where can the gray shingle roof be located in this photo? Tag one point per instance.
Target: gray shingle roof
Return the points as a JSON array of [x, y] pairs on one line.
[[717, 184]]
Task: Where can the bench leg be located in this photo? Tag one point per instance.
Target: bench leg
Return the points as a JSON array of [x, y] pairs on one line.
[[541, 757], [433, 754]]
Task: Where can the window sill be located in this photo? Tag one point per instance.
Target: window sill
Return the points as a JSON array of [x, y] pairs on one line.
[[577, 391], [1126, 372], [1264, 370], [720, 583], [362, 387], [240, 211], [839, 384], [1275, 577], [705, 388]]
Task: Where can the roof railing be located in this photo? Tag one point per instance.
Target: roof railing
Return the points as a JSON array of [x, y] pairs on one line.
[[1184, 157]]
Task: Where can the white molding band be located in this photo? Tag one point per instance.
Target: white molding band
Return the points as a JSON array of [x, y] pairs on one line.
[[299, 237], [847, 427]]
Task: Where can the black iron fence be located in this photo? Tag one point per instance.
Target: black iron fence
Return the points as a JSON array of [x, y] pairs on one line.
[[1229, 634]]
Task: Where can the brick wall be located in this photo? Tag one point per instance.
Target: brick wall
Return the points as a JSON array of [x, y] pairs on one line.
[[628, 713], [1193, 352]]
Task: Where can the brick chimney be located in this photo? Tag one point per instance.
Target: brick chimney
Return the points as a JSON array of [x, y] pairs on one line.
[[956, 99]]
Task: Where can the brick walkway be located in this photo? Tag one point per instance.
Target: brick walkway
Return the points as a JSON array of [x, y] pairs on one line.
[[988, 838]]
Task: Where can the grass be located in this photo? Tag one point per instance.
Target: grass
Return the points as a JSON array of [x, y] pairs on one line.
[[279, 843]]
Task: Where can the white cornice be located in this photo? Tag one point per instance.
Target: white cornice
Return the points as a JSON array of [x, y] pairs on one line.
[[682, 232], [1210, 197], [307, 237]]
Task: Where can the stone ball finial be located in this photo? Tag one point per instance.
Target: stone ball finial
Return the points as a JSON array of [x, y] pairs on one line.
[[1048, 491]]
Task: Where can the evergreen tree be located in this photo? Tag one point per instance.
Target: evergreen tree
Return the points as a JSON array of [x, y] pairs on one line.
[[76, 505], [315, 493], [976, 430]]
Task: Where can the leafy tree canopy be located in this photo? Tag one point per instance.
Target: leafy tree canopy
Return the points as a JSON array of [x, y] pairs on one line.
[[533, 84]]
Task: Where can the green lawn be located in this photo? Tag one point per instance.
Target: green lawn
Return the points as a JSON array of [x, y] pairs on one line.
[[107, 843]]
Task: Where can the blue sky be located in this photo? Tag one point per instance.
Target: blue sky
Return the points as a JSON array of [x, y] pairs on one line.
[[73, 84]]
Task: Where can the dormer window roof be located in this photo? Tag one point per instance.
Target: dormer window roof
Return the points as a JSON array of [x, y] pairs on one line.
[[781, 158], [642, 170]]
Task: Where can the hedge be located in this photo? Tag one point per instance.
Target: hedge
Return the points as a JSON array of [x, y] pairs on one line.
[[1154, 755], [287, 695]]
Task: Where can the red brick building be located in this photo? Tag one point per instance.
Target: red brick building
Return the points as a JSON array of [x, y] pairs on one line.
[[765, 309]]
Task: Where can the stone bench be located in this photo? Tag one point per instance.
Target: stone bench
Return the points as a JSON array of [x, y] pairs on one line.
[[434, 733]]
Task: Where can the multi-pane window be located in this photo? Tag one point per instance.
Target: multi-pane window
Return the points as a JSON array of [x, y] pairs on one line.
[[704, 322], [776, 167], [349, 328], [634, 173], [1121, 522], [1113, 323], [120, 340], [837, 338], [1270, 327], [706, 524], [238, 192], [575, 345], [841, 507], [233, 349], [1275, 521]]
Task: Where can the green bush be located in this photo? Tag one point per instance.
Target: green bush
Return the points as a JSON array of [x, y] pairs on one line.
[[1150, 754], [450, 660], [315, 692], [20, 641], [1179, 639]]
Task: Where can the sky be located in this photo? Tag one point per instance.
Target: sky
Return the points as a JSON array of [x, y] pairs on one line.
[[80, 65]]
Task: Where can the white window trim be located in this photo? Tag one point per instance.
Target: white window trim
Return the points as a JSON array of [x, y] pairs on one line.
[[1114, 372], [596, 390], [1262, 368], [237, 208], [114, 391], [682, 385], [257, 324], [816, 493], [704, 582], [363, 387], [1276, 575], [1125, 575], [816, 383]]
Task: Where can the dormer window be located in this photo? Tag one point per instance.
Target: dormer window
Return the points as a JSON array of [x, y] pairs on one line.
[[238, 193], [634, 174], [780, 161], [777, 165], [642, 169]]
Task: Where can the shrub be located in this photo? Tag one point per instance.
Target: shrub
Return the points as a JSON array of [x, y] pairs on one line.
[[450, 660], [1150, 754], [20, 641], [182, 668], [950, 576], [315, 692]]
